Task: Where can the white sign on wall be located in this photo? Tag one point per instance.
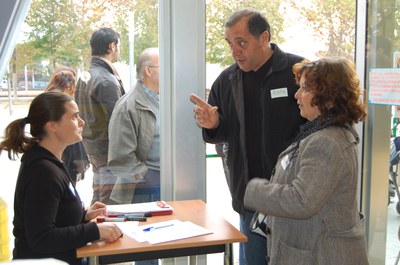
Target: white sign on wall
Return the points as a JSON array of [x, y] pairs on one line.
[[384, 86]]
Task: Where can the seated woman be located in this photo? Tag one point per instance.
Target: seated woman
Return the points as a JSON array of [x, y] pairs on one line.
[[49, 218], [311, 200]]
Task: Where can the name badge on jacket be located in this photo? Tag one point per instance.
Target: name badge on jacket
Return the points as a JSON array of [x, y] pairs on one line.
[[285, 162], [279, 92], [71, 188]]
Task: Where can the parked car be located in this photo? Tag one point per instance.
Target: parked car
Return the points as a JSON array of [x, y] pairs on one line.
[[40, 85], [22, 86], [37, 85], [4, 85]]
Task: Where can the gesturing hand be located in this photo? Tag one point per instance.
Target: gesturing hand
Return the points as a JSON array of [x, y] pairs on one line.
[[205, 115]]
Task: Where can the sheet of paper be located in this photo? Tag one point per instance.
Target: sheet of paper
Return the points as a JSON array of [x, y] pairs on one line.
[[169, 231], [154, 207], [129, 229]]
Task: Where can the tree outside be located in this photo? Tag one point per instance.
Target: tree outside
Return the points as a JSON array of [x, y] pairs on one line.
[[59, 30]]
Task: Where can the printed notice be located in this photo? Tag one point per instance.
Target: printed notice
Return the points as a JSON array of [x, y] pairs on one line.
[[384, 86]]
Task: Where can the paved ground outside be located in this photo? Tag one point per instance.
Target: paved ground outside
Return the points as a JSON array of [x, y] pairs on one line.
[[217, 190]]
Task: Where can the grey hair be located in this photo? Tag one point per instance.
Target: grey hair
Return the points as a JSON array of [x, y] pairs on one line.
[[144, 59]]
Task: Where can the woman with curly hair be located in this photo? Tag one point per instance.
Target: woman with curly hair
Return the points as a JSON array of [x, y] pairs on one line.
[[309, 209]]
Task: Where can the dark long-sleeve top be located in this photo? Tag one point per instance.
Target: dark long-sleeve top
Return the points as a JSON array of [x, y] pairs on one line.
[[48, 213]]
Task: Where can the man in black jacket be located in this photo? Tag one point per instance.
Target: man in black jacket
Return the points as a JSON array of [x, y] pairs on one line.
[[96, 93], [252, 108]]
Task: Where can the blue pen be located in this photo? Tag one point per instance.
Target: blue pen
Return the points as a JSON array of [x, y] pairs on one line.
[[151, 228]]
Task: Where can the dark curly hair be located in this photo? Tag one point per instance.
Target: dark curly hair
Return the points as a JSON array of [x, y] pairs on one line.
[[336, 89]]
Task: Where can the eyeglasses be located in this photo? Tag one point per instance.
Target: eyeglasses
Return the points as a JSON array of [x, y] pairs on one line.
[[258, 224], [152, 65]]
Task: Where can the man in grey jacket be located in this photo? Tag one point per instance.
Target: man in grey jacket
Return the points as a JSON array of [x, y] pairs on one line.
[[134, 147]]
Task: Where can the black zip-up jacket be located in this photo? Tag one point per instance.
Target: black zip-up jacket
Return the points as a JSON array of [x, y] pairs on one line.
[[280, 119], [48, 213]]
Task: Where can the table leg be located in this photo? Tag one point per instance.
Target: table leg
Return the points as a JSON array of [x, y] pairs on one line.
[[228, 256], [193, 260], [92, 260]]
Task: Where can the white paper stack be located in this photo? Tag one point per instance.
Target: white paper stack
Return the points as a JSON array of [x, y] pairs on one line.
[[164, 231]]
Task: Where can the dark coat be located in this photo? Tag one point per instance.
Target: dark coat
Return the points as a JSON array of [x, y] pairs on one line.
[[96, 98], [280, 119], [48, 213], [76, 161]]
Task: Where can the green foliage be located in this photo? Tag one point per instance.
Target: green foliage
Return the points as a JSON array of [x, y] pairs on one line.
[[146, 25], [52, 27], [333, 21], [397, 26], [94, 14], [60, 30]]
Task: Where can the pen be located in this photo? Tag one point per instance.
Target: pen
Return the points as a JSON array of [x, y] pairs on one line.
[[143, 214], [151, 228], [135, 218]]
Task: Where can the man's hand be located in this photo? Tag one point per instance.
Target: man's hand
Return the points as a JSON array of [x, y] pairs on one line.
[[205, 115]]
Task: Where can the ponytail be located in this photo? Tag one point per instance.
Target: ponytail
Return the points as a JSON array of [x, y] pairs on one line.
[[16, 141]]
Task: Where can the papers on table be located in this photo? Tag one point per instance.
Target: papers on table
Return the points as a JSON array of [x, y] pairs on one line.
[[163, 231], [155, 208]]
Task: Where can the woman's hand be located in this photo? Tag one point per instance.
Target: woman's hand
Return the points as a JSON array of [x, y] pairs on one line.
[[95, 210], [109, 232]]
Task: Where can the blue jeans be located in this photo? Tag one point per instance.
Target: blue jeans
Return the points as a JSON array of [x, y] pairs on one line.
[[254, 251], [149, 191]]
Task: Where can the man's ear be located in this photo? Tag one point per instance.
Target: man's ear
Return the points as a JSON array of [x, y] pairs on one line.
[[111, 47], [147, 71], [265, 37]]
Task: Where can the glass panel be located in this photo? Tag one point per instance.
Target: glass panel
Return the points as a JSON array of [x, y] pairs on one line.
[[382, 49], [51, 38]]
